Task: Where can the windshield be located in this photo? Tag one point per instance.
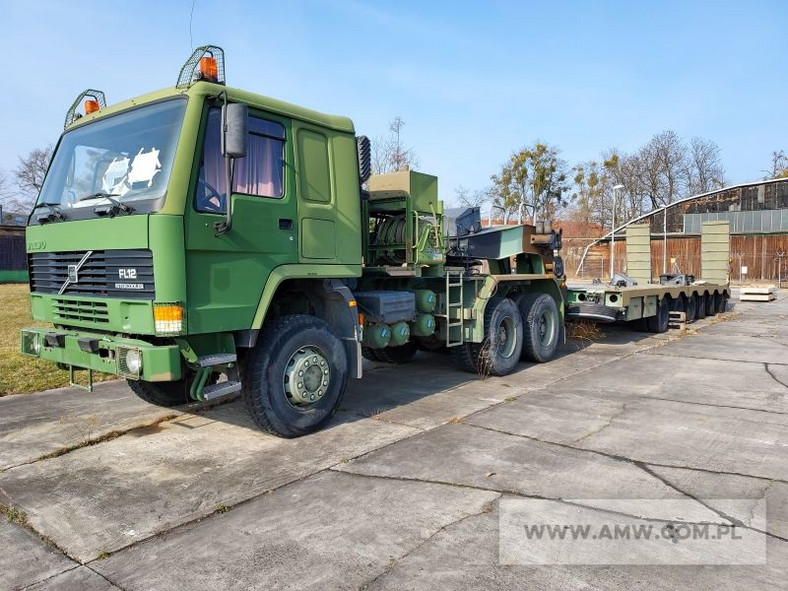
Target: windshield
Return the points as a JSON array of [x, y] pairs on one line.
[[127, 157]]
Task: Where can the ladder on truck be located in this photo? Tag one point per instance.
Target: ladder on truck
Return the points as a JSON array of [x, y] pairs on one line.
[[454, 307]]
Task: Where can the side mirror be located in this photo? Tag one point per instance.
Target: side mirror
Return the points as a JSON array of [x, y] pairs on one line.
[[234, 130]]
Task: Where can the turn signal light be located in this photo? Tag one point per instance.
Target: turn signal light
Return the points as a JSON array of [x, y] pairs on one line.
[[168, 318]]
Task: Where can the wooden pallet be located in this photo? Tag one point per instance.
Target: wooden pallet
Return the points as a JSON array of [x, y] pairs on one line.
[[678, 320], [758, 294]]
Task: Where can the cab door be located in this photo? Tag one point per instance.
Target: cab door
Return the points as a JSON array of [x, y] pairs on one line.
[[226, 272]]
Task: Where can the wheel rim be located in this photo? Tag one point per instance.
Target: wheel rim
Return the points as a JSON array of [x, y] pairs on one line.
[[307, 377], [506, 337], [546, 328]]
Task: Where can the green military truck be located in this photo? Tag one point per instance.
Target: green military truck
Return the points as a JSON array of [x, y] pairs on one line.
[[201, 241]]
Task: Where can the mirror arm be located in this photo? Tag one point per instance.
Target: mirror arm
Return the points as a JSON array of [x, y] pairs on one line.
[[225, 225]]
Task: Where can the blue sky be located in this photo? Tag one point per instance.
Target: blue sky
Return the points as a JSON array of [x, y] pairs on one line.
[[473, 81]]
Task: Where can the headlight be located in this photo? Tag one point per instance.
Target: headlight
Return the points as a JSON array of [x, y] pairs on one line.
[[31, 343], [134, 361], [129, 362]]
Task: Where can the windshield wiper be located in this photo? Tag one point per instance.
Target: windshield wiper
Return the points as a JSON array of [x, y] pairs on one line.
[[54, 215], [116, 208]]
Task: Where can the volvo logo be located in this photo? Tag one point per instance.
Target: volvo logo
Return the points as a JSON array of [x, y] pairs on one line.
[[73, 272]]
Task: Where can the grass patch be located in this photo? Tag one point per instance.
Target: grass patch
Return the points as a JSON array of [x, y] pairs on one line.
[[14, 515], [21, 374]]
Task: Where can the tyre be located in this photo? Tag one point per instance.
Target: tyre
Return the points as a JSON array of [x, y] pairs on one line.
[[399, 355], [167, 394], [541, 326], [700, 306], [295, 377], [690, 308], [464, 357], [659, 322], [720, 303], [711, 308], [370, 353], [591, 311], [500, 352]]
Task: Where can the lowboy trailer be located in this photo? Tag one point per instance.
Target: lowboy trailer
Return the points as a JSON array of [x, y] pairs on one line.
[[636, 298]]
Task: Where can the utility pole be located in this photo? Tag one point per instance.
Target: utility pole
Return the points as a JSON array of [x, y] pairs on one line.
[[616, 188]]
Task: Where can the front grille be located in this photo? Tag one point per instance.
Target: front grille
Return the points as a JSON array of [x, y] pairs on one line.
[[82, 311], [126, 274]]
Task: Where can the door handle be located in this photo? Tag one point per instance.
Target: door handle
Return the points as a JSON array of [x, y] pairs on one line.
[[285, 224]]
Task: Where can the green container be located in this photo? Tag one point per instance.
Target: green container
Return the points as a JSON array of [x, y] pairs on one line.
[[377, 336], [423, 325], [400, 334], [426, 300]]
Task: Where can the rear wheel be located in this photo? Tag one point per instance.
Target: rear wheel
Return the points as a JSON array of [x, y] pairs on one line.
[[371, 354], [720, 303], [700, 306], [659, 322], [541, 326], [499, 352], [690, 308], [295, 377], [711, 307], [402, 354]]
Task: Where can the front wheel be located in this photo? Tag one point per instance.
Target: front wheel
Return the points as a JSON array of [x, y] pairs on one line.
[[167, 394], [295, 377]]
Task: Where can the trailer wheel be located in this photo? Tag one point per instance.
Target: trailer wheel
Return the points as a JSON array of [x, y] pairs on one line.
[[295, 377], [690, 308], [398, 355], [711, 308], [659, 322], [591, 311], [700, 306], [167, 394], [720, 303], [541, 326]]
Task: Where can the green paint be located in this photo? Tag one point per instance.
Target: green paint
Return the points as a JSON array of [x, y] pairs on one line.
[[13, 276]]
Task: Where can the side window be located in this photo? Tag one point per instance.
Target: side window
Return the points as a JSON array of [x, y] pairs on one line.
[[315, 176], [260, 173]]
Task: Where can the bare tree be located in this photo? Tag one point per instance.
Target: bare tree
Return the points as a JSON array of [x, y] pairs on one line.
[[663, 163], [704, 167], [468, 198], [30, 174], [389, 153], [779, 168]]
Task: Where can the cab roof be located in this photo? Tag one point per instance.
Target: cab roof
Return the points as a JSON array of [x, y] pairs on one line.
[[204, 89]]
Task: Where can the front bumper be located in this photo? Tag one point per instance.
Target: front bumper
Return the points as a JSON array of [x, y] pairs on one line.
[[128, 358]]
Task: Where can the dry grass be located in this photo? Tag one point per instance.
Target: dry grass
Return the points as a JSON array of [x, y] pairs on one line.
[[20, 374], [584, 332]]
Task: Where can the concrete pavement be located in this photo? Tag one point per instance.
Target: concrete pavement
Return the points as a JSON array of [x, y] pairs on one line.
[[403, 489]]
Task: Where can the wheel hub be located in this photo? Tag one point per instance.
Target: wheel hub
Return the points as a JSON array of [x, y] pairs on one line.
[[506, 337], [307, 376]]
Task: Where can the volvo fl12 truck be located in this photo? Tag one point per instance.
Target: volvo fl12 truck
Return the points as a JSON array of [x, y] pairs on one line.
[[201, 241]]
